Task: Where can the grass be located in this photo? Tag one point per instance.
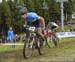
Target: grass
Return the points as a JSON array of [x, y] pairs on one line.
[[66, 29], [64, 53], [8, 47]]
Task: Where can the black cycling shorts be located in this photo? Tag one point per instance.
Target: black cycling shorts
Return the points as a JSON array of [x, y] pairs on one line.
[[35, 23], [53, 27]]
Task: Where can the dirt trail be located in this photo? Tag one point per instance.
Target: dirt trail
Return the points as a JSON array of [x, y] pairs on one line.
[[65, 53]]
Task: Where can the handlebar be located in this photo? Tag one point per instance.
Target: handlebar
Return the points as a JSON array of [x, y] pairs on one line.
[[30, 28]]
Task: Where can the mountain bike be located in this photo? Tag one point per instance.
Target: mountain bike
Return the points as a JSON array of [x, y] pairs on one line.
[[33, 41], [52, 37]]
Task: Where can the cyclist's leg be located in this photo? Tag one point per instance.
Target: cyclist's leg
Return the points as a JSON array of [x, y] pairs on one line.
[[53, 28], [39, 31], [55, 32]]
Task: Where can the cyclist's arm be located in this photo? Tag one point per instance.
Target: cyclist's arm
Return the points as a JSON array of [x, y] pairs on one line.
[[42, 21], [57, 26], [25, 22]]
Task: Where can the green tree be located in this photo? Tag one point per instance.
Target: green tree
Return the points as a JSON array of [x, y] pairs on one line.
[[29, 4], [6, 12], [0, 15], [16, 18], [5, 15], [54, 10], [10, 13], [68, 8]]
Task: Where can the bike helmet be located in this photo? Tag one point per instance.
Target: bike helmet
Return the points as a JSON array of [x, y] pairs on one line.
[[23, 10]]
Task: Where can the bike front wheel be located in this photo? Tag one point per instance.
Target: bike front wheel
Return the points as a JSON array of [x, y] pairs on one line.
[[27, 49], [56, 41], [52, 41]]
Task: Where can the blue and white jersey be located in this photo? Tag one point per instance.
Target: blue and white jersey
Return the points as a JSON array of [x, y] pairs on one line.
[[32, 16]]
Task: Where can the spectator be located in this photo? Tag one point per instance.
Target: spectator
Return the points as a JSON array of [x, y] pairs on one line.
[[11, 36], [3, 38], [58, 22], [17, 37], [24, 37]]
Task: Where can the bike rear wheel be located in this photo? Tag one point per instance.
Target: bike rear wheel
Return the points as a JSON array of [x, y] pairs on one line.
[[37, 43], [42, 45], [48, 42]]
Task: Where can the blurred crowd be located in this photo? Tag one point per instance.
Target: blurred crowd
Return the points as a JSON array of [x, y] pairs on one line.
[[11, 37], [17, 38]]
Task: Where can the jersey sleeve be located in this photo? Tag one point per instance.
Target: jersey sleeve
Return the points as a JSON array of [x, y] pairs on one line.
[[35, 16]]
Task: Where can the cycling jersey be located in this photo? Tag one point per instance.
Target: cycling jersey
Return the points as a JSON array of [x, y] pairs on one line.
[[32, 17], [53, 24]]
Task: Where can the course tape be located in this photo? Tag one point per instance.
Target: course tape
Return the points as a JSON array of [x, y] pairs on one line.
[[65, 34], [11, 44]]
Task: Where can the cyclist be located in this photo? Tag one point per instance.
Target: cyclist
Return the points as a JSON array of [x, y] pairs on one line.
[[54, 28], [33, 19]]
